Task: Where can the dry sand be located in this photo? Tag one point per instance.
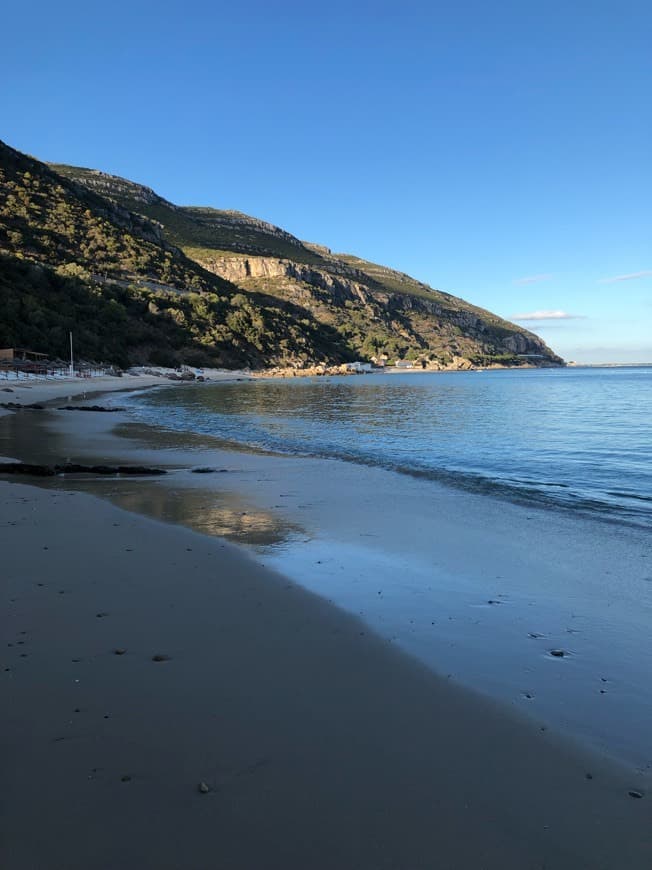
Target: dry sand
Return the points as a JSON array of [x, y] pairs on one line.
[[321, 746]]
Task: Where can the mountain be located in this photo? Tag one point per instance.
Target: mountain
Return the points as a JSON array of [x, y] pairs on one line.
[[140, 279], [73, 260]]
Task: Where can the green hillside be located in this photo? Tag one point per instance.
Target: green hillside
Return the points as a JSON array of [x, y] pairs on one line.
[[375, 309], [140, 280], [71, 259]]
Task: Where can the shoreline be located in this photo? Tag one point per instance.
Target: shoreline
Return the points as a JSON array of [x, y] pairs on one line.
[[315, 521], [322, 745]]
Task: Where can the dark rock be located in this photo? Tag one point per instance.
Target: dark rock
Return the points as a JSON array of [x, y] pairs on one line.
[[27, 468], [139, 470], [203, 788], [120, 651], [160, 658], [96, 408], [204, 470], [635, 794], [76, 468], [558, 653]]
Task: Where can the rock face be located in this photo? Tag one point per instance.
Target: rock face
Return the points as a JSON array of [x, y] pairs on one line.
[[447, 336], [110, 185]]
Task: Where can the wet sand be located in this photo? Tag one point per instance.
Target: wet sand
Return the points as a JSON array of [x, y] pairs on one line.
[[28, 391], [42, 390], [321, 745], [479, 589]]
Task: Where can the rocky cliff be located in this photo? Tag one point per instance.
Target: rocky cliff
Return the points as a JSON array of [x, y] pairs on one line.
[[375, 311], [429, 328]]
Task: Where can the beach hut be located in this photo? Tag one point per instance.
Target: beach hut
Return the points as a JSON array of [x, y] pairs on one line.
[[20, 354]]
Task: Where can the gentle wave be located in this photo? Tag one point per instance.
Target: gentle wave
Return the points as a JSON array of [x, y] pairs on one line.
[[575, 439]]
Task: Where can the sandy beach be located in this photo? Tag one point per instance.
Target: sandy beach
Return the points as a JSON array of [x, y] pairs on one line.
[[174, 704], [37, 390]]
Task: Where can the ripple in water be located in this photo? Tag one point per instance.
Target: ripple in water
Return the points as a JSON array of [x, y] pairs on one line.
[[579, 438]]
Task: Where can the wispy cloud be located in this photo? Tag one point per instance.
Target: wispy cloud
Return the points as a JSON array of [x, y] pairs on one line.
[[632, 276], [546, 315], [532, 279]]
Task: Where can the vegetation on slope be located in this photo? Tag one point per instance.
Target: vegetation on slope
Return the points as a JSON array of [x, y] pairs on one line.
[[140, 279], [73, 259], [375, 310]]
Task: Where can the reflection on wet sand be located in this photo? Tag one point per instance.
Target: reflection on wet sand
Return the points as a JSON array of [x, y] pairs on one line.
[[221, 514], [210, 511]]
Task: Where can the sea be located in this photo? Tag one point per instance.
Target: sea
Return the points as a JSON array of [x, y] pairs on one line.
[[572, 438], [493, 525]]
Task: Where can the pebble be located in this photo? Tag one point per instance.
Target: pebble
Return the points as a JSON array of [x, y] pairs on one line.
[[203, 788], [119, 651], [557, 653], [635, 794], [160, 658]]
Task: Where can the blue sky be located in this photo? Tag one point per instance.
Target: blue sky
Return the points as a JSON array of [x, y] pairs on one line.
[[500, 151]]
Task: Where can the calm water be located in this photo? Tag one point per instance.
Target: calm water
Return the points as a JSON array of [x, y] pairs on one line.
[[579, 438]]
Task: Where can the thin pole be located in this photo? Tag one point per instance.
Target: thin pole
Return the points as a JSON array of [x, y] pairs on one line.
[[72, 365]]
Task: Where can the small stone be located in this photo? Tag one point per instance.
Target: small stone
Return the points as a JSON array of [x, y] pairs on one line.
[[635, 794], [160, 658], [557, 653], [119, 651], [203, 788]]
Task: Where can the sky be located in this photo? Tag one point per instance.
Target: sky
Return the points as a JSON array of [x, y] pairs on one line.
[[498, 151]]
